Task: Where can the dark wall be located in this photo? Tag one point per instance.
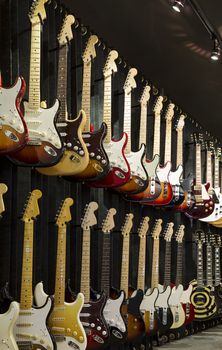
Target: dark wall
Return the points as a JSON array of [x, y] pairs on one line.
[[14, 61]]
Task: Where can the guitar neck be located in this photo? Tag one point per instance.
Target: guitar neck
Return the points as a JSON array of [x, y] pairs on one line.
[[198, 165], [124, 282], [209, 168], [141, 264], [179, 275], [179, 160], [168, 139], [86, 93], [26, 286], [62, 83], [217, 266], [105, 271], [156, 140], [127, 120], [85, 270], [143, 124], [107, 107], [209, 268], [60, 267], [155, 264], [35, 58], [167, 271], [216, 172], [200, 265]]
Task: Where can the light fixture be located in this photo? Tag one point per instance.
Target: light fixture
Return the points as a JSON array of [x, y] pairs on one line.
[[177, 5], [215, 54]]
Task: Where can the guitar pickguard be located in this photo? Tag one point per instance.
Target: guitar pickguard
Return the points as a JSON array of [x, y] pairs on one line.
[[7, 321]]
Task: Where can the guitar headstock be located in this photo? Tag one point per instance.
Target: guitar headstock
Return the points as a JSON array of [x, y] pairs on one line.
[[158, 105], [108, 224], [110, 65], [217, 241], [180, 234], [199, 236], [90, 50], [3, 190], [144, 227], [89, 218], [198, 138], [37, 12], [209, 146], [130, 82], [65, 35], [128, 224], [31, 208], [145, 96], [64, 215], [180, 123], [157, 229], [169, 112], [217, 152], [168, 233]]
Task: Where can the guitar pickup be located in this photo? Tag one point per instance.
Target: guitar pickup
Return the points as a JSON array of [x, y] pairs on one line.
[[34, 143]]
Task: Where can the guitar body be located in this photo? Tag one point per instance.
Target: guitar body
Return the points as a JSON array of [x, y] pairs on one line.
[[75, 157], [203, 301], [31, 328], [189, 199], [217, 213], [135, 322], [178, 192], [176, 307], [119, 172], [164, 312], [187, 306], [218, 299], [98, 165], [138, 180], [13, 129], [7, 321], [44, 146], [204, 208], [149, 312]]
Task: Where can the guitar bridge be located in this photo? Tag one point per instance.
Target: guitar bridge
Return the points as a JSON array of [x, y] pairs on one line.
[[24, 345]]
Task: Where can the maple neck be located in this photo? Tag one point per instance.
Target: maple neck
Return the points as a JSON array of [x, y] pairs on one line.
[[198, 164], [60, 267], [141, 264], [216, 173], [105, 271], [209, 168], [179, 160], [86, 93], [168, 141], [62, 83], [85, 269], [107, 107], [26, 286], [217, 266], [127, 120], [179, 275], [209, 268], [167, 270], [156, 140], [124, 281], [155, 263], [143, 124], [200, 265], [35, 59]]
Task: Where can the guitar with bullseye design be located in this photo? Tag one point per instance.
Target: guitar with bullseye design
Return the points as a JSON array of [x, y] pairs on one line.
[[30, 329], [44, 146], [64, 320], [75, 157]]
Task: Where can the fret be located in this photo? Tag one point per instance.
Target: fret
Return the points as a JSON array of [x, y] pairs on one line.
[[62, 83], [105, 271], [27, 261], [143, 124], [209, 169], [107, 107], [216, 172], [199, 265], [168, 138], [217, 266], [155, 264], [179, 275], [60, 267], [198, 165], [127, 120], [124, 283], [209, 266], [85, 266], [141, 264], [156, 140], [86, 93], [167, 271], [179, 160]]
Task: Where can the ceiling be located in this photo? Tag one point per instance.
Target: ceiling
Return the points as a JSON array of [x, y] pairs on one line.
[[172, 50]]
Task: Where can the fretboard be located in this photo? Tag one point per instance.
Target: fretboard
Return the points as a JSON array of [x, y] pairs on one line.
[[179, 147], [156, 140], [216, 172], [167, 270], [60, 267], [105, 270], [62, 83], [168, 140], [200, 265], [124, 281], [127, 120], [86, 93], [26, 286], [155, 264], [35, 58], [209, 267], [85, 269], [143, 124], [107, 107], [198, 165], [141, 264], [217, 266], [209, 168], [179, 274]]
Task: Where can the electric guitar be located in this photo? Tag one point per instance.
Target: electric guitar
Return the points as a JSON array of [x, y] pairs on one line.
[[13, 129], [111, 312], [138, 180], [30, 329], [119, 172], [204, 204], [217, 274], [98, 165], [202, 298], [75, 157], [64, 320], [44, 146]]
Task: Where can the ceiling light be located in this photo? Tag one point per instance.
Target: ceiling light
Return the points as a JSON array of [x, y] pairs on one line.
[[215, 54], [178, 5]]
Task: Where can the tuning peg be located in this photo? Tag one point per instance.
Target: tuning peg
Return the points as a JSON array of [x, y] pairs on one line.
[[83, 30], [76, 24], [155, 90]]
